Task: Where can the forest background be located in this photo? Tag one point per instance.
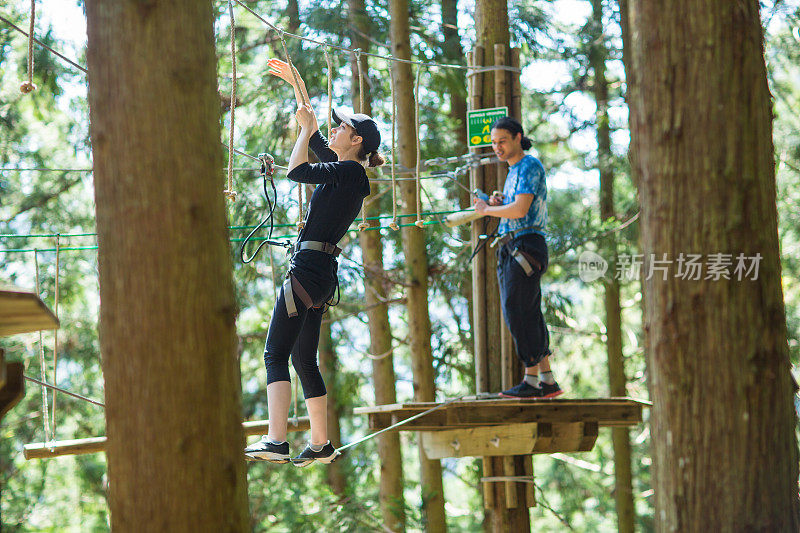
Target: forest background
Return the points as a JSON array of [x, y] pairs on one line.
[[49, 129]]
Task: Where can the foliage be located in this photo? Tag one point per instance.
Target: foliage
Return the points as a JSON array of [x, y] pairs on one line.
[[49, 128]]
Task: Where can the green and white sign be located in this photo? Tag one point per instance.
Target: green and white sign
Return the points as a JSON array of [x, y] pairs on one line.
[[479, 124]]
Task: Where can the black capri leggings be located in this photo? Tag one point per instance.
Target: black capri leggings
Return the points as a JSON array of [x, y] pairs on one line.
[[521, 299], [298, 336]]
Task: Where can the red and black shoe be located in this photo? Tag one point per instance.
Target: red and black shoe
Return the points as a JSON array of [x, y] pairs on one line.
[[522, 390], [549, 390]]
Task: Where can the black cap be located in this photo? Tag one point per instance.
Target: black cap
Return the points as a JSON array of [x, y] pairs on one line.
[[364, 126]]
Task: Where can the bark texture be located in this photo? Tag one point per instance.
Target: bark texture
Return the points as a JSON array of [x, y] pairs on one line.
[[416, 261], [390, 492], [167, 319], [725, 450]]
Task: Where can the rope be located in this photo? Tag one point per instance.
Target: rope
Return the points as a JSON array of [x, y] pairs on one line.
[[419, 223], [301, 223], [42, 363], [393, 224], [330, 91], [518, 479], [360, 80], [40, 43], [229, 192], [385, 354], [398, 424], [28, 86], [479, 70], [55, 335], [351, 50], [288, 59], [65, 391], [240, 239], [359, 66]]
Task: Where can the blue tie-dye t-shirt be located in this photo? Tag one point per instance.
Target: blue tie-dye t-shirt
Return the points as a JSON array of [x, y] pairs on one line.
[[526, 177]]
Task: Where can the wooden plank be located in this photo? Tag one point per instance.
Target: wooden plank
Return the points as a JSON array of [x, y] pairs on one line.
[[488, 486], [13, 389], [589, 437], [510, 486], [98, 444], [530, 492], [513, 439], [22, 311], [571, 437], [498, 401], [467, 414], [64, 447]]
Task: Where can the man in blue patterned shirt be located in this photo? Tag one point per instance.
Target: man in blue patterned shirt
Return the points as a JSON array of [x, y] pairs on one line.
[[522, 257]]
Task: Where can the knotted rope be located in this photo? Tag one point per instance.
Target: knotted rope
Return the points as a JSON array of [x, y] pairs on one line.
[[229, 192], [29, 86]]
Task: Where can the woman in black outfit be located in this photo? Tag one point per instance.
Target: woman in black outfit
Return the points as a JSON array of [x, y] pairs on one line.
[[342, 185]]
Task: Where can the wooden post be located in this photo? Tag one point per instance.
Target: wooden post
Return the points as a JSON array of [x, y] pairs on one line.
[[496, 364], [479, 262]]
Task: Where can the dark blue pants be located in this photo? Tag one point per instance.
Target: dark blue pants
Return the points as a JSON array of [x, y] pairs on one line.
[[521, 298], [298, 336]]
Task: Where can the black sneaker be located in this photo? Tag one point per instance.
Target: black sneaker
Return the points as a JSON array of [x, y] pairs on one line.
[[327, 455], [550, 390], [523, 390], [264, 450]]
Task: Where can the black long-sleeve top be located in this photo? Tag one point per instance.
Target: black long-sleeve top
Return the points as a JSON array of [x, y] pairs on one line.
[[341, 189]]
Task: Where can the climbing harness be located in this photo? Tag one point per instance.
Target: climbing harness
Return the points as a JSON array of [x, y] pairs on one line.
[[292, 285], [267, 173]]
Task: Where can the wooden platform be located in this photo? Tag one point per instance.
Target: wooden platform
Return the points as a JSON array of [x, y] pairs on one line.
[[21, 311], [477, 427]]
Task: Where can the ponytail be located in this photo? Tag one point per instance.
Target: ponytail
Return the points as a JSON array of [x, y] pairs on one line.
[[376, 159], [513, 127]]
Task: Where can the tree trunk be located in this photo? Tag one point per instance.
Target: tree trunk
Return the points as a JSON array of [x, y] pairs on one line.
[[329, 368], [623, 490], [453, 52], [383, 379], [167, 319], [416, 262], [725, 450]]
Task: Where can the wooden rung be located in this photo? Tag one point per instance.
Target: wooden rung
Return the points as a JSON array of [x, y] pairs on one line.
[[98, 444]]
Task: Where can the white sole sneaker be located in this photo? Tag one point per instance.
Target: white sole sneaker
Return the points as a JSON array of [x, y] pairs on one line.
[[272, 457]]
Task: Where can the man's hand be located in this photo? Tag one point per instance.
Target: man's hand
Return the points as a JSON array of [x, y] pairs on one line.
[[496, 198], [306, 118]]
